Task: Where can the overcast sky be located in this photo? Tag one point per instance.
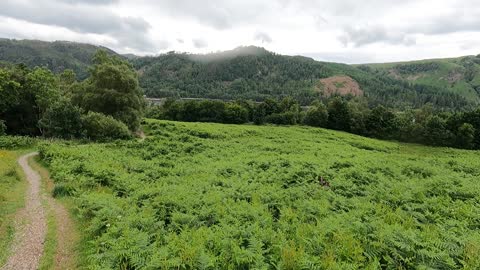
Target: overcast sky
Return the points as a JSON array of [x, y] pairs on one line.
[[349, 31]]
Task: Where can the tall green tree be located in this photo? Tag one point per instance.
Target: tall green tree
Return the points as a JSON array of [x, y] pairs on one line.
[[62, 120], [436, 132], [339, 117], [466, 136], [9, 90], [317, 115], [381, 123], [112, 89], [34, 91]]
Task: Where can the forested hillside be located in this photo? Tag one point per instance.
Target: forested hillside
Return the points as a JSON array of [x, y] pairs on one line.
[[254, 73], [56, 56], [457, 75]]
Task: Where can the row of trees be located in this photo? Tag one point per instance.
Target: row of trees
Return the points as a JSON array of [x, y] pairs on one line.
[[423, 125], [107, 105]]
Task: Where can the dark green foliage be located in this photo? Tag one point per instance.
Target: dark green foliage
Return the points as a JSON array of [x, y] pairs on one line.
[[417, 67], [381, 123], [112, 89], [436, 132], [62, 190], [16, 142], [28, 93], [466, 136], [62, 120], [102, 127], [317, 115], [9, 90], [36, 102], [235, 114], [339, 117], [3, 128]]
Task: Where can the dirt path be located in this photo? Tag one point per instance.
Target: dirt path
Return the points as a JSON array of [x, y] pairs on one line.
[[65, 230], [30, 223]]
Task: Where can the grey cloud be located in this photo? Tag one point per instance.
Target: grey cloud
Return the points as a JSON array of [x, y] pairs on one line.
[[458, 20], [128, 31], [342, 57], [263, 37], [219, 14], [91, 2], [199, 43], [361, 36]]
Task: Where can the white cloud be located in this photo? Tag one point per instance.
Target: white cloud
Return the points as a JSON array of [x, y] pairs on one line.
[[344, 30]]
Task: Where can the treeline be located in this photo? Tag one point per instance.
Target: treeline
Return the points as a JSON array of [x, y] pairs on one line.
[[424, 125], [107, 105]]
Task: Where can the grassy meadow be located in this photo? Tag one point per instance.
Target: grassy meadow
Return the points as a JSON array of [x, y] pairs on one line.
[[214, 196]]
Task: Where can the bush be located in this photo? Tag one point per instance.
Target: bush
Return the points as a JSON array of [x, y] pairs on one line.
[[63, 190], [101, 127], [317, 116], [286, 118], [62, 120], [235, 114], [16, 142]]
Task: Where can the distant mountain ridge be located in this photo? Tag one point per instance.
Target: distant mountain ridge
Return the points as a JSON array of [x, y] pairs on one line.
[[254, 73], [57, 55]]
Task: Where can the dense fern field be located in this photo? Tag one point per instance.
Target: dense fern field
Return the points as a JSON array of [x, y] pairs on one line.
[[213, 196]]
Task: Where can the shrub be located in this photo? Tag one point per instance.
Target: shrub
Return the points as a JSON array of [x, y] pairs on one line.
[[62, 190], [317, 116], [286, 118], [101, 127], [16, 142], [62, 120], [235, 114]]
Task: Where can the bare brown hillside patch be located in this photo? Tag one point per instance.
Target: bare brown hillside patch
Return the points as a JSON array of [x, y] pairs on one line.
[[342, 85]]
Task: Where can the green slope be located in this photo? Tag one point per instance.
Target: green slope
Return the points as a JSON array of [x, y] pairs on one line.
[[57, 56], [457, 75], [213, 196], [255, 73]]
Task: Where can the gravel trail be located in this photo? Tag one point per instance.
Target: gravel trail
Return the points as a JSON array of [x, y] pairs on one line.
[[30, 224]]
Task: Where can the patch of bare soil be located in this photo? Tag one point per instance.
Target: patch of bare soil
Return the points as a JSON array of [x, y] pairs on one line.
[[342, 85]]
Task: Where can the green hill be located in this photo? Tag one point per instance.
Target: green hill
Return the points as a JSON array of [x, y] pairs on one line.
[[57, 56], [255, 73], [457, 75]]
